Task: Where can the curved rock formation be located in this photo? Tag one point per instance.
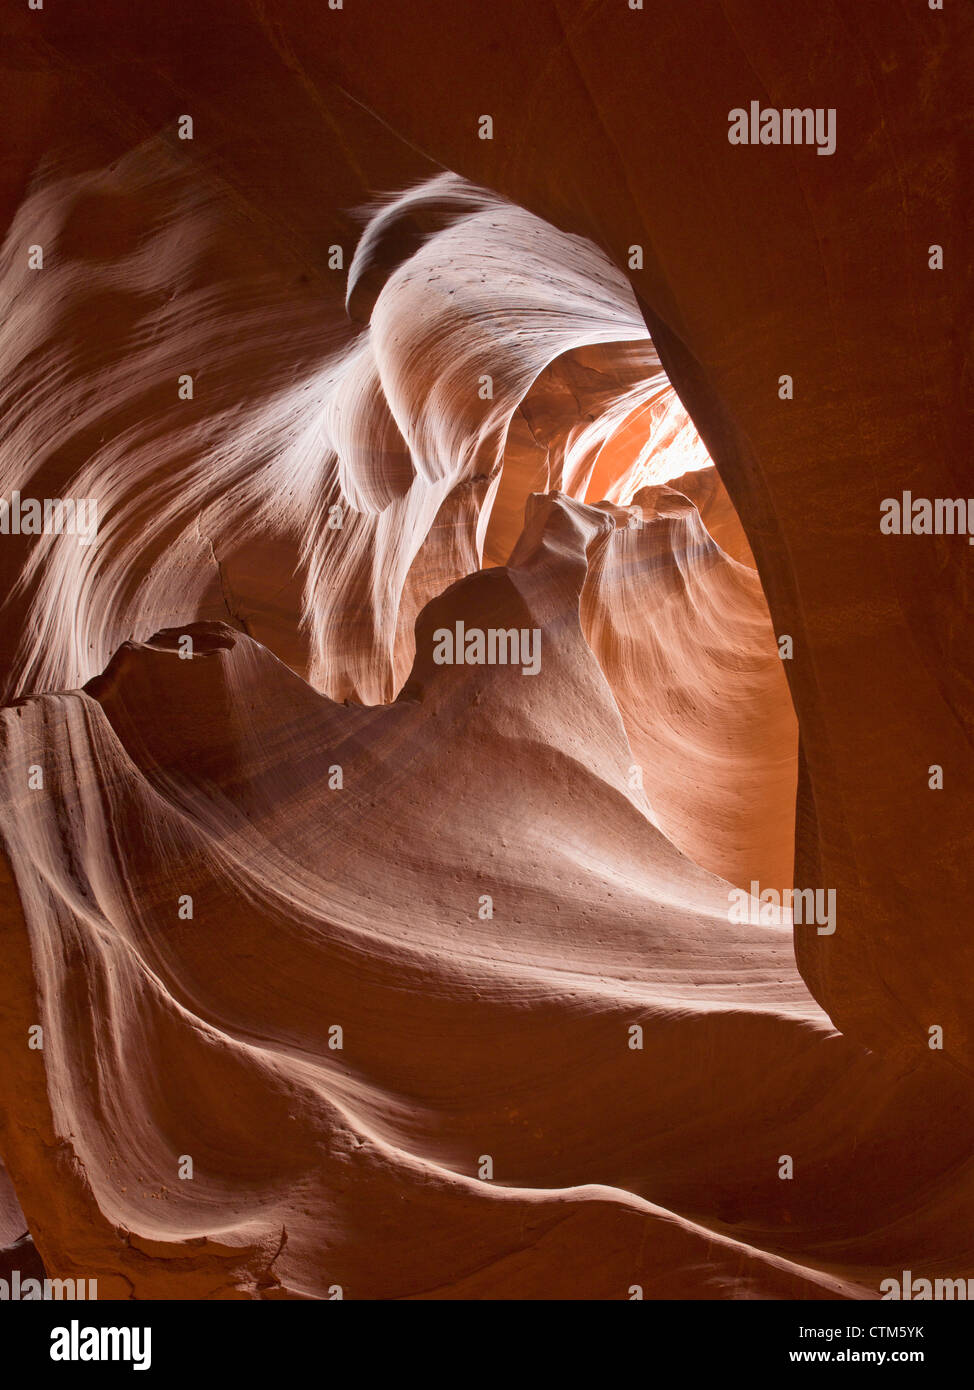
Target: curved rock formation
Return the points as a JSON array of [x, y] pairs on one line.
[[682, 633], [293, 484], [336, 964], [484, 908]]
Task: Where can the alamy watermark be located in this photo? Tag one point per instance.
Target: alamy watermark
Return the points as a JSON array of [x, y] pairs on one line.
[[907, 515], [19, 1290], [77, 1343], [911, 1290], [766, 907], [50, 516], [495, 646], [791, 125]]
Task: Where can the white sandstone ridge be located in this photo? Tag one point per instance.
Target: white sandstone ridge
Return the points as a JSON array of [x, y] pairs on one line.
[[52, 516], [494, 646]]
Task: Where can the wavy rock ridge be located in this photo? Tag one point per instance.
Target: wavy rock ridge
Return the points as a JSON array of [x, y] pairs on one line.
[[360, 907], [425, 970]]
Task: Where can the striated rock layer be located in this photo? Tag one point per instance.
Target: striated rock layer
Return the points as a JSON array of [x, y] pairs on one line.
[[463, 1036], [356, 970]]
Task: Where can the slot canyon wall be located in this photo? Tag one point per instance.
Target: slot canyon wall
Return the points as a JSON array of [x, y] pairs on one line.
[[335, 964]]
